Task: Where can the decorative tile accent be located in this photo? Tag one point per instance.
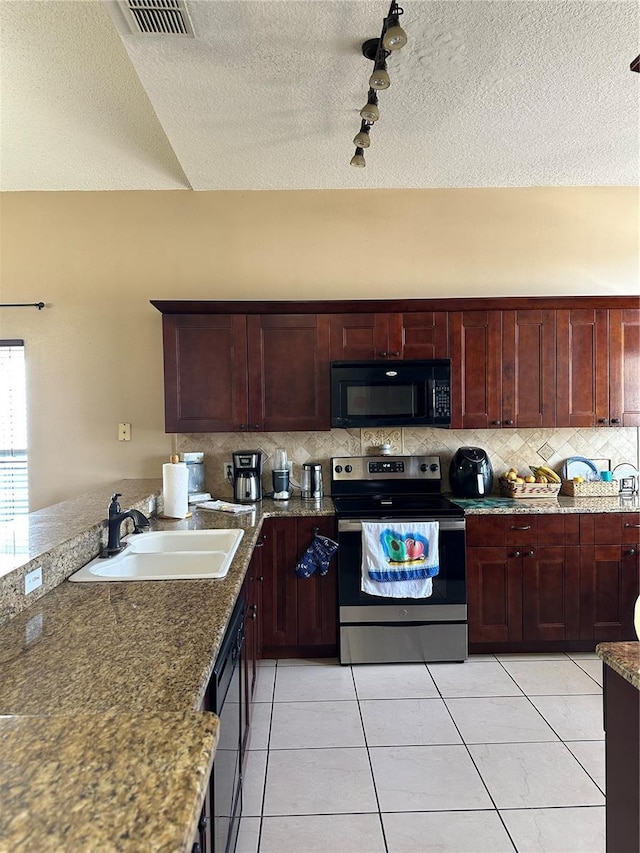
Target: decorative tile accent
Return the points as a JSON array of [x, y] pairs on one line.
[[371, 440]]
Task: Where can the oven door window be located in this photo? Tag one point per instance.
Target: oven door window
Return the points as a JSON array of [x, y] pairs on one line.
[[448, 584]]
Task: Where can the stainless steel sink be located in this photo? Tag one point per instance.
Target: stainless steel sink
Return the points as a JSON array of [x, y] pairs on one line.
[[167, 555]]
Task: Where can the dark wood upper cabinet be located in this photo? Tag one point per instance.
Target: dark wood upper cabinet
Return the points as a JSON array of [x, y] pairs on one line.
[[405, 335], [205, 372], [624, 367], [582, 368], [228, 373], [288, 357], [476, 366]]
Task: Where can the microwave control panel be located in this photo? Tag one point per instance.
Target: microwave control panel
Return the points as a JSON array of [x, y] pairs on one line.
[[441, 399]]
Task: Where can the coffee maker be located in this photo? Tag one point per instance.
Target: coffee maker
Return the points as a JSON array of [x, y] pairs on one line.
[[247, 476]]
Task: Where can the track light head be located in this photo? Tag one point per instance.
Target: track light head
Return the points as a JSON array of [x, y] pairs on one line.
[[380, 78], [370, 111], [362, 139], [358, 159], [395, 37]]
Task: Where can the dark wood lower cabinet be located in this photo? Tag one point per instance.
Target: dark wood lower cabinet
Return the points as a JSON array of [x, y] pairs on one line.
[[299, 614], [622, 749], [559, 587]]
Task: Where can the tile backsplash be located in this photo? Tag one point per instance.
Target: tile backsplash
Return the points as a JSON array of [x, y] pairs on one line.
[[506, 448]]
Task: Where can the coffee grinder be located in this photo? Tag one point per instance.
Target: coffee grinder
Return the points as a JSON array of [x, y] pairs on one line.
[[247, 476], [280, 475]]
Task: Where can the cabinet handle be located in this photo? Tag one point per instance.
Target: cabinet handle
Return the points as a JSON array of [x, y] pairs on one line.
[[259, 543], [383, 354], [615, 420], [196, 848], [631, 551], [530, 554], [516, 554], [627, 524], [396, 354], [524, 527], [602, 420], [260, 579], [203, 823], [509, 422], [496, 423], [254, 612], [242, 426]]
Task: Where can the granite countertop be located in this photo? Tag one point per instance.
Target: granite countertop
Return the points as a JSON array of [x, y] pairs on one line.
[[103, 681], [624, 658], [495, 505], [90, 782]]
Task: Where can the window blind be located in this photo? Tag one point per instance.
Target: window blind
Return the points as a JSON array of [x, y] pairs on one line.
[[14, 496]]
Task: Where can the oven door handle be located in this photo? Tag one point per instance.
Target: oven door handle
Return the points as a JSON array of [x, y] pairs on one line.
[[355, 526]]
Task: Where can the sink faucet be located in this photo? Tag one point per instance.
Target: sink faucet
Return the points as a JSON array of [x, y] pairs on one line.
[[116, 517]]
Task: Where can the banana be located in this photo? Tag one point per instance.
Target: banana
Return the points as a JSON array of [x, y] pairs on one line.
[[545, 471], [550, 474]]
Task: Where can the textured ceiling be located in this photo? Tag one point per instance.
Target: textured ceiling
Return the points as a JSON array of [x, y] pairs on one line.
[[267, 96]]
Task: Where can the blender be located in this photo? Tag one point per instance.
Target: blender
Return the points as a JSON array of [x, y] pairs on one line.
[[280, 475]]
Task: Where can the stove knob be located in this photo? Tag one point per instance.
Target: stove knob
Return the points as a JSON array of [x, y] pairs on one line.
[[433, 467], [423, 467], [348, 469], [338, 469]]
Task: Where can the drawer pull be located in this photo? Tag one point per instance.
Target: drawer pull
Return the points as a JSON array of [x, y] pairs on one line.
[[517, 554], [632, 525], [530, 554], [525, 527], [631, 551]]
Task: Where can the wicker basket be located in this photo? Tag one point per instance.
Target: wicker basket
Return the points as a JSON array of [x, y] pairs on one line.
[[587, 489], [509, 489]]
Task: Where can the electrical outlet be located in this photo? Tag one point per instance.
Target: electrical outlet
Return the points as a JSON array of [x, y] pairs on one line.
[[228, 470], [124, 432], [33, 580]]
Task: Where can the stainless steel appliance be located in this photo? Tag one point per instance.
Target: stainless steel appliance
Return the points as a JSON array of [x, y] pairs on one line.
[[247, 476], [312, 485], [471, 473], [377, 629], [391, 393]]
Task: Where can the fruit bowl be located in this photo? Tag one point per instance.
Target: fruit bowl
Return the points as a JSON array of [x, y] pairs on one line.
[[511, 489]]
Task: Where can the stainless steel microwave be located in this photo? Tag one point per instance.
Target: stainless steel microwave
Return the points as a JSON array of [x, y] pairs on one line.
[[391, 393]]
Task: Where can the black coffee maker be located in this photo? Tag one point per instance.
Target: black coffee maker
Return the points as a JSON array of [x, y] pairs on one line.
[[470, 473], [247, 476]]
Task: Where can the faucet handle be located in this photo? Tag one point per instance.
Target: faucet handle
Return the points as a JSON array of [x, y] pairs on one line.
[[114, 506]]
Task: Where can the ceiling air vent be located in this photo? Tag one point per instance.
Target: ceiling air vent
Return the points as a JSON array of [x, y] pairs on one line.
[[158, 17]]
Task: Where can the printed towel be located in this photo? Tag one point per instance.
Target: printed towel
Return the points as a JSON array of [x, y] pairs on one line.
[[317, 557], [399, 559]]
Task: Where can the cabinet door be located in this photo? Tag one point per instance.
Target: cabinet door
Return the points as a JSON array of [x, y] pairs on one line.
[[279, 589], [528, 368], [288, 372], [205, 372], [608, 590], [624, 367], [550, 593], [359, 336], [476, 369], [582, 395], [494, 594], [253, 619], [318, 595], [419, 334]]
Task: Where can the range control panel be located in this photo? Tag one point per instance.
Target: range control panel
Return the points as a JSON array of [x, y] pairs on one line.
[[383, 468]]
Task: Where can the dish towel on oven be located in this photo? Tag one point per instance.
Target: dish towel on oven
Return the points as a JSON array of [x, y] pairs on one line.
[[399, 559], [317, 557]]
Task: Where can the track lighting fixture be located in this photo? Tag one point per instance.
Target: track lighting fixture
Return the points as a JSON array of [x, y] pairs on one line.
[[376, 50], [358, 158], [370, 111], [380, 78], [362, 140]]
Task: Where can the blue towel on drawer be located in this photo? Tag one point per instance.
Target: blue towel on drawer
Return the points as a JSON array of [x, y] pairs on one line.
[[317, 557], [399, 559]]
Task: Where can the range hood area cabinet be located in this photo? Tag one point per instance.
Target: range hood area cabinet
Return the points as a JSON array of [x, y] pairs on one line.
[[365, 336], [520, 362], [255, 373]]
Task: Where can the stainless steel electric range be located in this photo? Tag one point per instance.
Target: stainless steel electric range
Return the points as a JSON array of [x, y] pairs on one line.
[[379, 629]]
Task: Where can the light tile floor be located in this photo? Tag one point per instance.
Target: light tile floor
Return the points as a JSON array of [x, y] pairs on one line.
[[500, 753]]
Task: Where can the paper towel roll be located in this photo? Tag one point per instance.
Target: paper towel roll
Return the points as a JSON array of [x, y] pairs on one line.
[[175, 489]]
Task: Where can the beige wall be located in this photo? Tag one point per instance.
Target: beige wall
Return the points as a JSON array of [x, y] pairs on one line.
[[94, 355]]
